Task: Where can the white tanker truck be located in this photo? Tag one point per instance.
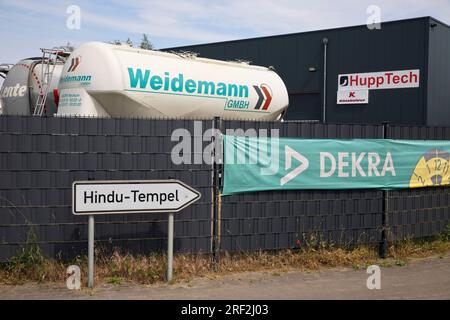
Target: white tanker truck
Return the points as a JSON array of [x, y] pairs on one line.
[[30, 86], [105, 80], [108, 80]]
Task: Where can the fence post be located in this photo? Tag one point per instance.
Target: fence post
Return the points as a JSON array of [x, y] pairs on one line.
[[385, 208], [217, 125]]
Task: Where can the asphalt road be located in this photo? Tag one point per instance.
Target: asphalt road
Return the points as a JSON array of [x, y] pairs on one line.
[[420, 279]]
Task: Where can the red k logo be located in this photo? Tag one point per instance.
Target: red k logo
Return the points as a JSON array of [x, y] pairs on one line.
[[351, 94]]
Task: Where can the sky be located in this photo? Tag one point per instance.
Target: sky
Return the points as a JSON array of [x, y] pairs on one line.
[[27, 25]]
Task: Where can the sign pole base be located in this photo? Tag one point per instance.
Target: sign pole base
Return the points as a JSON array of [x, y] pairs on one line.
[[91, 251], [170, 247]]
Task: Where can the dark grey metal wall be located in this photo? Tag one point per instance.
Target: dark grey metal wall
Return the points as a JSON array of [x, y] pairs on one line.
[[438, 93], [41, 157], [398, 45]]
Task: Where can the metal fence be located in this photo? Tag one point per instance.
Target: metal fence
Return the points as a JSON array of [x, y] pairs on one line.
[[284, 219], [41, 157]]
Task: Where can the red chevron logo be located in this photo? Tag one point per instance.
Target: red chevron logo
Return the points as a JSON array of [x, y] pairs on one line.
[[264, 95], [74, 64]]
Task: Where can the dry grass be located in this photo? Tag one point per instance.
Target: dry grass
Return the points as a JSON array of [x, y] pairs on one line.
[[117, 268]]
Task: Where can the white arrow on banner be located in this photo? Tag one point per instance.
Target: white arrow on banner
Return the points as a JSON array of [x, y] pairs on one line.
[[290, 153]]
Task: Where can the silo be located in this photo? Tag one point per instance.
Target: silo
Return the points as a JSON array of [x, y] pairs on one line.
[[23, 86]]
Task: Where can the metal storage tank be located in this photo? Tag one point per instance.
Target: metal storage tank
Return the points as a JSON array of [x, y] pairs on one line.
[[102, 79], [23, 86], [419, 45]]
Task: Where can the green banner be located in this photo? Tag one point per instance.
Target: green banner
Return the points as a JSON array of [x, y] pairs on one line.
[[258, 164]]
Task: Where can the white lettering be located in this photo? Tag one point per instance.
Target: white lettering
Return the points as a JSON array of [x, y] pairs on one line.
[[374, 280], [342, 164], [388, 165], [13, 91], [73, 282], [73, 22], [181, 152], [329, 163], [323, 173], [356, 164], [374, 19], [373, 162]]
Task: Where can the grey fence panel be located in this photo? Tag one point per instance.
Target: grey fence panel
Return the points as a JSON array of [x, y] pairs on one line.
[[422, 212], [41, 157], [289, 219], [418, 213]]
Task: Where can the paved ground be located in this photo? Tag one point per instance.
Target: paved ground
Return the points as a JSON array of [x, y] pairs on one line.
[[421, 279]]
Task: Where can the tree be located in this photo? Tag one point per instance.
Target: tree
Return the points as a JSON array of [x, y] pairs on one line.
[[69, 47], [129, 42], [145, 43]]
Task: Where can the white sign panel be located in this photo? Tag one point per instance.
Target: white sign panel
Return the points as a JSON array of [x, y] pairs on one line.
[[379, 80], [353, 97], [109, 197]]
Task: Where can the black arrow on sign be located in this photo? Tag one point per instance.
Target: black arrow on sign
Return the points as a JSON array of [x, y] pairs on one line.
[[261, 97]]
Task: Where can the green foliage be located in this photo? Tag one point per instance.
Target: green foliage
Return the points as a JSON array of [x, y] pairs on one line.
[[29, 262], [400, 263], [446, 233], [114, 280], [119, 267], [145, 43], [129, 42]]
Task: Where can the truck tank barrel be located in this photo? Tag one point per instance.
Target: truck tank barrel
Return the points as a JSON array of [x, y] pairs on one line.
[[107, 80]]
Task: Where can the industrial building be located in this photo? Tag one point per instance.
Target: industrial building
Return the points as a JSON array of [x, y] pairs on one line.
[[399, 73]]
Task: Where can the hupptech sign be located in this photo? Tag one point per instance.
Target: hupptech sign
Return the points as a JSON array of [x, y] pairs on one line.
[[258, 164], [354, 88]]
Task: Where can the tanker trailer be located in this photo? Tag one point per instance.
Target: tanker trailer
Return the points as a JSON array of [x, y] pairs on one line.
[[4, 69], [30, 86], [108, 80]]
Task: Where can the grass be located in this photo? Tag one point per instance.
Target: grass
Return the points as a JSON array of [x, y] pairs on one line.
[[117, 268]]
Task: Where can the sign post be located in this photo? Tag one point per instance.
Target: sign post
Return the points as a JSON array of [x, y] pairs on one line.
[[91, 251], [139, 196], [170, 247]]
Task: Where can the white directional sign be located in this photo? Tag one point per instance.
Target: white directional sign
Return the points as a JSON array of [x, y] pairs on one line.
[[110, 197]]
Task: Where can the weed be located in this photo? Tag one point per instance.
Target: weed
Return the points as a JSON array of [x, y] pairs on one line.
[[29, 262], [386, 264], [117, 267], [400, 263], [446, 234], [114, 280]]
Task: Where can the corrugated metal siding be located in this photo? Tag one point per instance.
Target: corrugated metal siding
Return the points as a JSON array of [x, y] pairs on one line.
[[398, 45], [438, 111]]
